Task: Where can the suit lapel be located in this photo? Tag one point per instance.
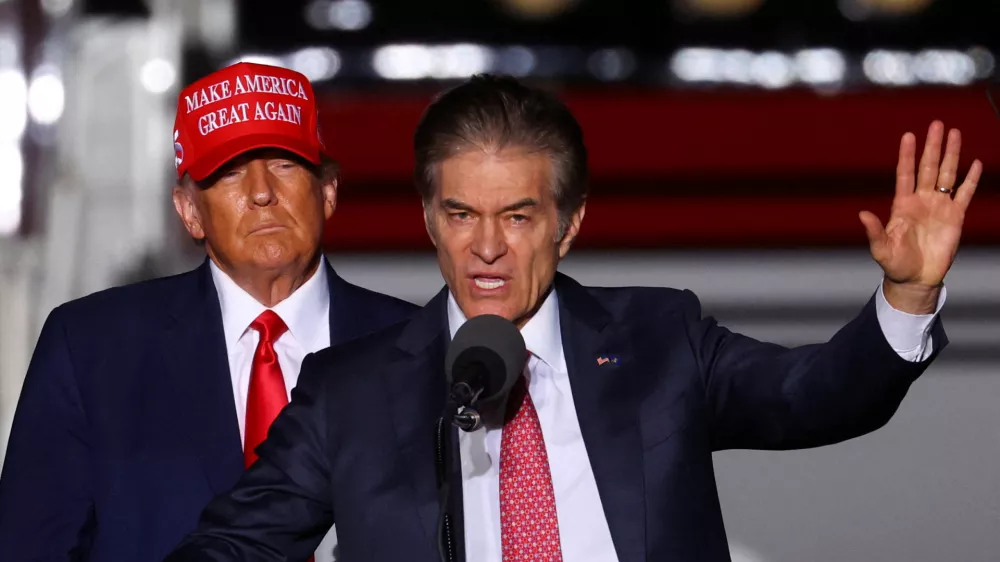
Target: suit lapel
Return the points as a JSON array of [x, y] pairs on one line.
[[354, 312], [195, 352], [348, 317], [607, 408], [417, 389]]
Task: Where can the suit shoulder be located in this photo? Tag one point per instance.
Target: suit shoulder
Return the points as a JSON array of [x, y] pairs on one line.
[[630, 302], [135, 300], [393, 305], [367, 350]]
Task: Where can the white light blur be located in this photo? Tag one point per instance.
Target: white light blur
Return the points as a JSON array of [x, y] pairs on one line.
[[611, 64], [345, 15], [403, 62], [11, 191], [316, 63], [516, 61], [772, 70], [56, 8], [984, 61], [890, 68], [828, 67], [415, 62], [820, 66], [735, 66], [350, 15], [713, 65], [696, 64], [944, 67], [931, 66], [461, 61], [157, 75], [46, 96], [14, 109]]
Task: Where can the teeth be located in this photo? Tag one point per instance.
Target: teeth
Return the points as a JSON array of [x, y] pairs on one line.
[[489, 283]]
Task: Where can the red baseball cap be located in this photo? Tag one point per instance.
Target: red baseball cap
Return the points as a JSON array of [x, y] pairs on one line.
[[240, 108]]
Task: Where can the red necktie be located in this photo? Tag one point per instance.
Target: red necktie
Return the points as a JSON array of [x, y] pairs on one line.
[[266, 396], [529, 525]]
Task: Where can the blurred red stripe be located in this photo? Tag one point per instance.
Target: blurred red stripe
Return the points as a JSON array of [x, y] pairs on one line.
[[396, 223], [664, 133]]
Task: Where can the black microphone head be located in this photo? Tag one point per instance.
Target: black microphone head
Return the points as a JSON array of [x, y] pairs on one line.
[[487, 352]]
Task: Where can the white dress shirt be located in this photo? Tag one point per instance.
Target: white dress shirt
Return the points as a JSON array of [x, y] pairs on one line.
[[306, 312], [584, 534]]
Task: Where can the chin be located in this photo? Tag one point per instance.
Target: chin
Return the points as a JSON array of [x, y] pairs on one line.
[[273, 255]]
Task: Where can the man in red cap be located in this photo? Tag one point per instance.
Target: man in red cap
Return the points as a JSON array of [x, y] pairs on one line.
[[143, 402]]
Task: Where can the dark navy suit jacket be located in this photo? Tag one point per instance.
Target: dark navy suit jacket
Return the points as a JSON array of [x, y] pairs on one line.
[[126, 426], [356, 444]]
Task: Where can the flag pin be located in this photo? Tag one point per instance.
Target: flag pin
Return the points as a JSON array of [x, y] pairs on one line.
[[605, 359]]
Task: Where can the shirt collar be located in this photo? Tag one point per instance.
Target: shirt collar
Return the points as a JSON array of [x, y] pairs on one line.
[[302, 311], [542, 334]]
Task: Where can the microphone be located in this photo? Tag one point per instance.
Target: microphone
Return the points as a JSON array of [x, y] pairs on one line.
[[484, 359]]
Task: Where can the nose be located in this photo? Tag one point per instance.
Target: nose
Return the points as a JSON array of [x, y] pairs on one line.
[[261, 184], [489, 243]]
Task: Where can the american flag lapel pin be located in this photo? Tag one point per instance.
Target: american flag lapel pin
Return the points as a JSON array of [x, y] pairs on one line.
[[603, 360]]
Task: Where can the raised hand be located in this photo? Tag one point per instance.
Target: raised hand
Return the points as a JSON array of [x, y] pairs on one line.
[[918, 244]]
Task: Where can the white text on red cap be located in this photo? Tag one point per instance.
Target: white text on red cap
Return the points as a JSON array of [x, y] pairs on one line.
[[240, 112]]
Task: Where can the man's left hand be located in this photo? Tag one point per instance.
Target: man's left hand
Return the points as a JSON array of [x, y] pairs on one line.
[[918, 244]]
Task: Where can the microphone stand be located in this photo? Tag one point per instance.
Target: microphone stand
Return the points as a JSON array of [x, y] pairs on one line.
[[466, 419]]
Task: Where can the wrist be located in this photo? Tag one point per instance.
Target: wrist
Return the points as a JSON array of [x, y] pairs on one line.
[[911, 298]]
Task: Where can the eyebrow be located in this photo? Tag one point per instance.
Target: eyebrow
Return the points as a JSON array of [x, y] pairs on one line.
[[456, 205]]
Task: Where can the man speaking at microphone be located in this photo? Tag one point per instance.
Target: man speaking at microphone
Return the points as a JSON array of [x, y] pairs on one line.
[[605, 449]]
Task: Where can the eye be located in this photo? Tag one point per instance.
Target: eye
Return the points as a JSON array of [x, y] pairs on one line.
[[460, 216], [518, 219], [284, 165]]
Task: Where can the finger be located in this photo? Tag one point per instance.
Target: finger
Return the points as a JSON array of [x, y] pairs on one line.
[[877, 238], [968, 188], [928, 172], [949, 165], [905, 164]]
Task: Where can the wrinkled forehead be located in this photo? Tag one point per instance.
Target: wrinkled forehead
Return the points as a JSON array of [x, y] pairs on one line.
[[493, 180]]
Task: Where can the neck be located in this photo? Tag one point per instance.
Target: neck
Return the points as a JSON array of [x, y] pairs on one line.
[[271, 286]]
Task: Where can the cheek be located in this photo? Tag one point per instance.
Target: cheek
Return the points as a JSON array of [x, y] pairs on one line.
[[222, 214], [452, 253], [536, 260]]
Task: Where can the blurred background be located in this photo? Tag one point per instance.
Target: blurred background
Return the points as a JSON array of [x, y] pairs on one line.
[[732, 144]]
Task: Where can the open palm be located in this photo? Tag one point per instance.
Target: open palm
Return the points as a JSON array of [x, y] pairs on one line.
[[918, 244]]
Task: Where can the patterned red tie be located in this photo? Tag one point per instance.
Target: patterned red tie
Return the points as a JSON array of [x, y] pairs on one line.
[[529, 525], [266, 396]]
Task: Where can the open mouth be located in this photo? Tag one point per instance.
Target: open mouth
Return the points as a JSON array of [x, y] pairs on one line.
[[489, 283]]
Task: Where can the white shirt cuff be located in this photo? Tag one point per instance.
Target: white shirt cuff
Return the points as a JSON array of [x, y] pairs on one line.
[[908, 334]]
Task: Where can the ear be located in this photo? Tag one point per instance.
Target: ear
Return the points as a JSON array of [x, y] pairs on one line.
[[187, 210], [429, 223], [329, 189], [572, 230]]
